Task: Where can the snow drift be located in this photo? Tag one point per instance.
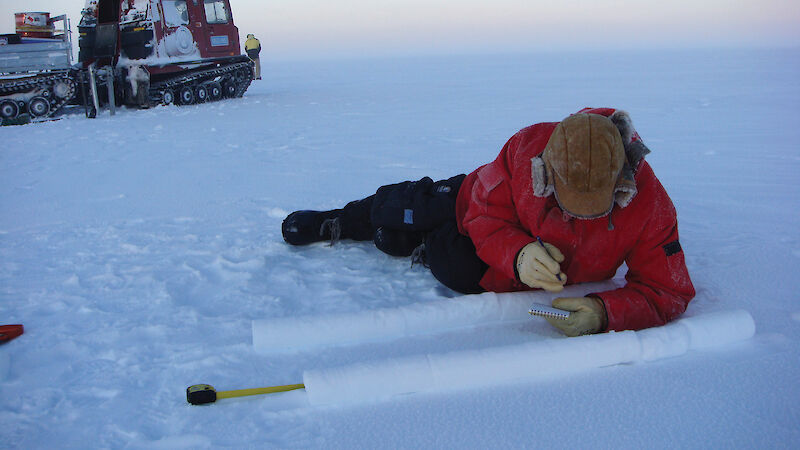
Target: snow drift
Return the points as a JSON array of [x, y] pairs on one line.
[[541, 360]]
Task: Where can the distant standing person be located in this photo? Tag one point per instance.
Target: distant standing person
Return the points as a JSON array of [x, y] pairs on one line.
[[253, 48]]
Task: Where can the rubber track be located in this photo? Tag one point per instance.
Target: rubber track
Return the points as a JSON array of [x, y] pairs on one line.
[[21, 85], [177, 82]]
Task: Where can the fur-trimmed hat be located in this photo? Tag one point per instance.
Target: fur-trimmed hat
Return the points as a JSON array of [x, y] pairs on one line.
[[624, 189], [584, 158]]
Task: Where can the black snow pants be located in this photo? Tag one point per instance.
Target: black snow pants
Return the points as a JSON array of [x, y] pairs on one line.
[[422, 210]]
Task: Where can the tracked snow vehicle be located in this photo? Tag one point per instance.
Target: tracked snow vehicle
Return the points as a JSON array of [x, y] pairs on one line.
[[132, 52], [164, 51], [36, 73]]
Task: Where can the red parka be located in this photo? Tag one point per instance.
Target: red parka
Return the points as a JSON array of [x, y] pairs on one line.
[[497, 208]]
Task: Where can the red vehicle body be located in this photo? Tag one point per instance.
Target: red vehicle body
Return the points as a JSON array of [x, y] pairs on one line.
[[165, 50], [140, 52]]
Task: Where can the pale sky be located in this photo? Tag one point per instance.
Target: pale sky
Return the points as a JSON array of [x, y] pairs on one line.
[[299, 28]]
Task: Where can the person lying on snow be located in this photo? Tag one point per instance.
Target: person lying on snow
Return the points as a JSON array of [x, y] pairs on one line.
[[563, 203]]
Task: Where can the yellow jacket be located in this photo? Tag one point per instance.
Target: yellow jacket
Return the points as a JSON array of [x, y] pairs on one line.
[[252, 43]]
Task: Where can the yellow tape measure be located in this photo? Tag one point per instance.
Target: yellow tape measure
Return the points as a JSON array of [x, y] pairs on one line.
[[200, 394]]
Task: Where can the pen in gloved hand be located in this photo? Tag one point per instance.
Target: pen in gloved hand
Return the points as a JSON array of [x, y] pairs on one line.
[[538, 239]]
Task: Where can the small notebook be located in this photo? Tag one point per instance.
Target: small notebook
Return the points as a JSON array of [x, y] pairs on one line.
[[546, 311]]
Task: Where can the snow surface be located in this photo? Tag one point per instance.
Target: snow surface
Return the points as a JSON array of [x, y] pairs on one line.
[[138, 249]]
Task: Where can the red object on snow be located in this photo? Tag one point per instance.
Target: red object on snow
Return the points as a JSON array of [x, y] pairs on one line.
[[9, 332]]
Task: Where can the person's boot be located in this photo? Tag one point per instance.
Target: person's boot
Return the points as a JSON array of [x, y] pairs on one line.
[[306, 226], [351, 222], [396, 242]]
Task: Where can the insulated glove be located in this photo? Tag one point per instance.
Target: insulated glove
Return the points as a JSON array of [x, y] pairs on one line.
[[587, 316], [538, 266]]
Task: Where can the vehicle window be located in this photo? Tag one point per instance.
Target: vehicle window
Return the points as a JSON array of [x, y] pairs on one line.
[[216, 12], [175, 13]]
